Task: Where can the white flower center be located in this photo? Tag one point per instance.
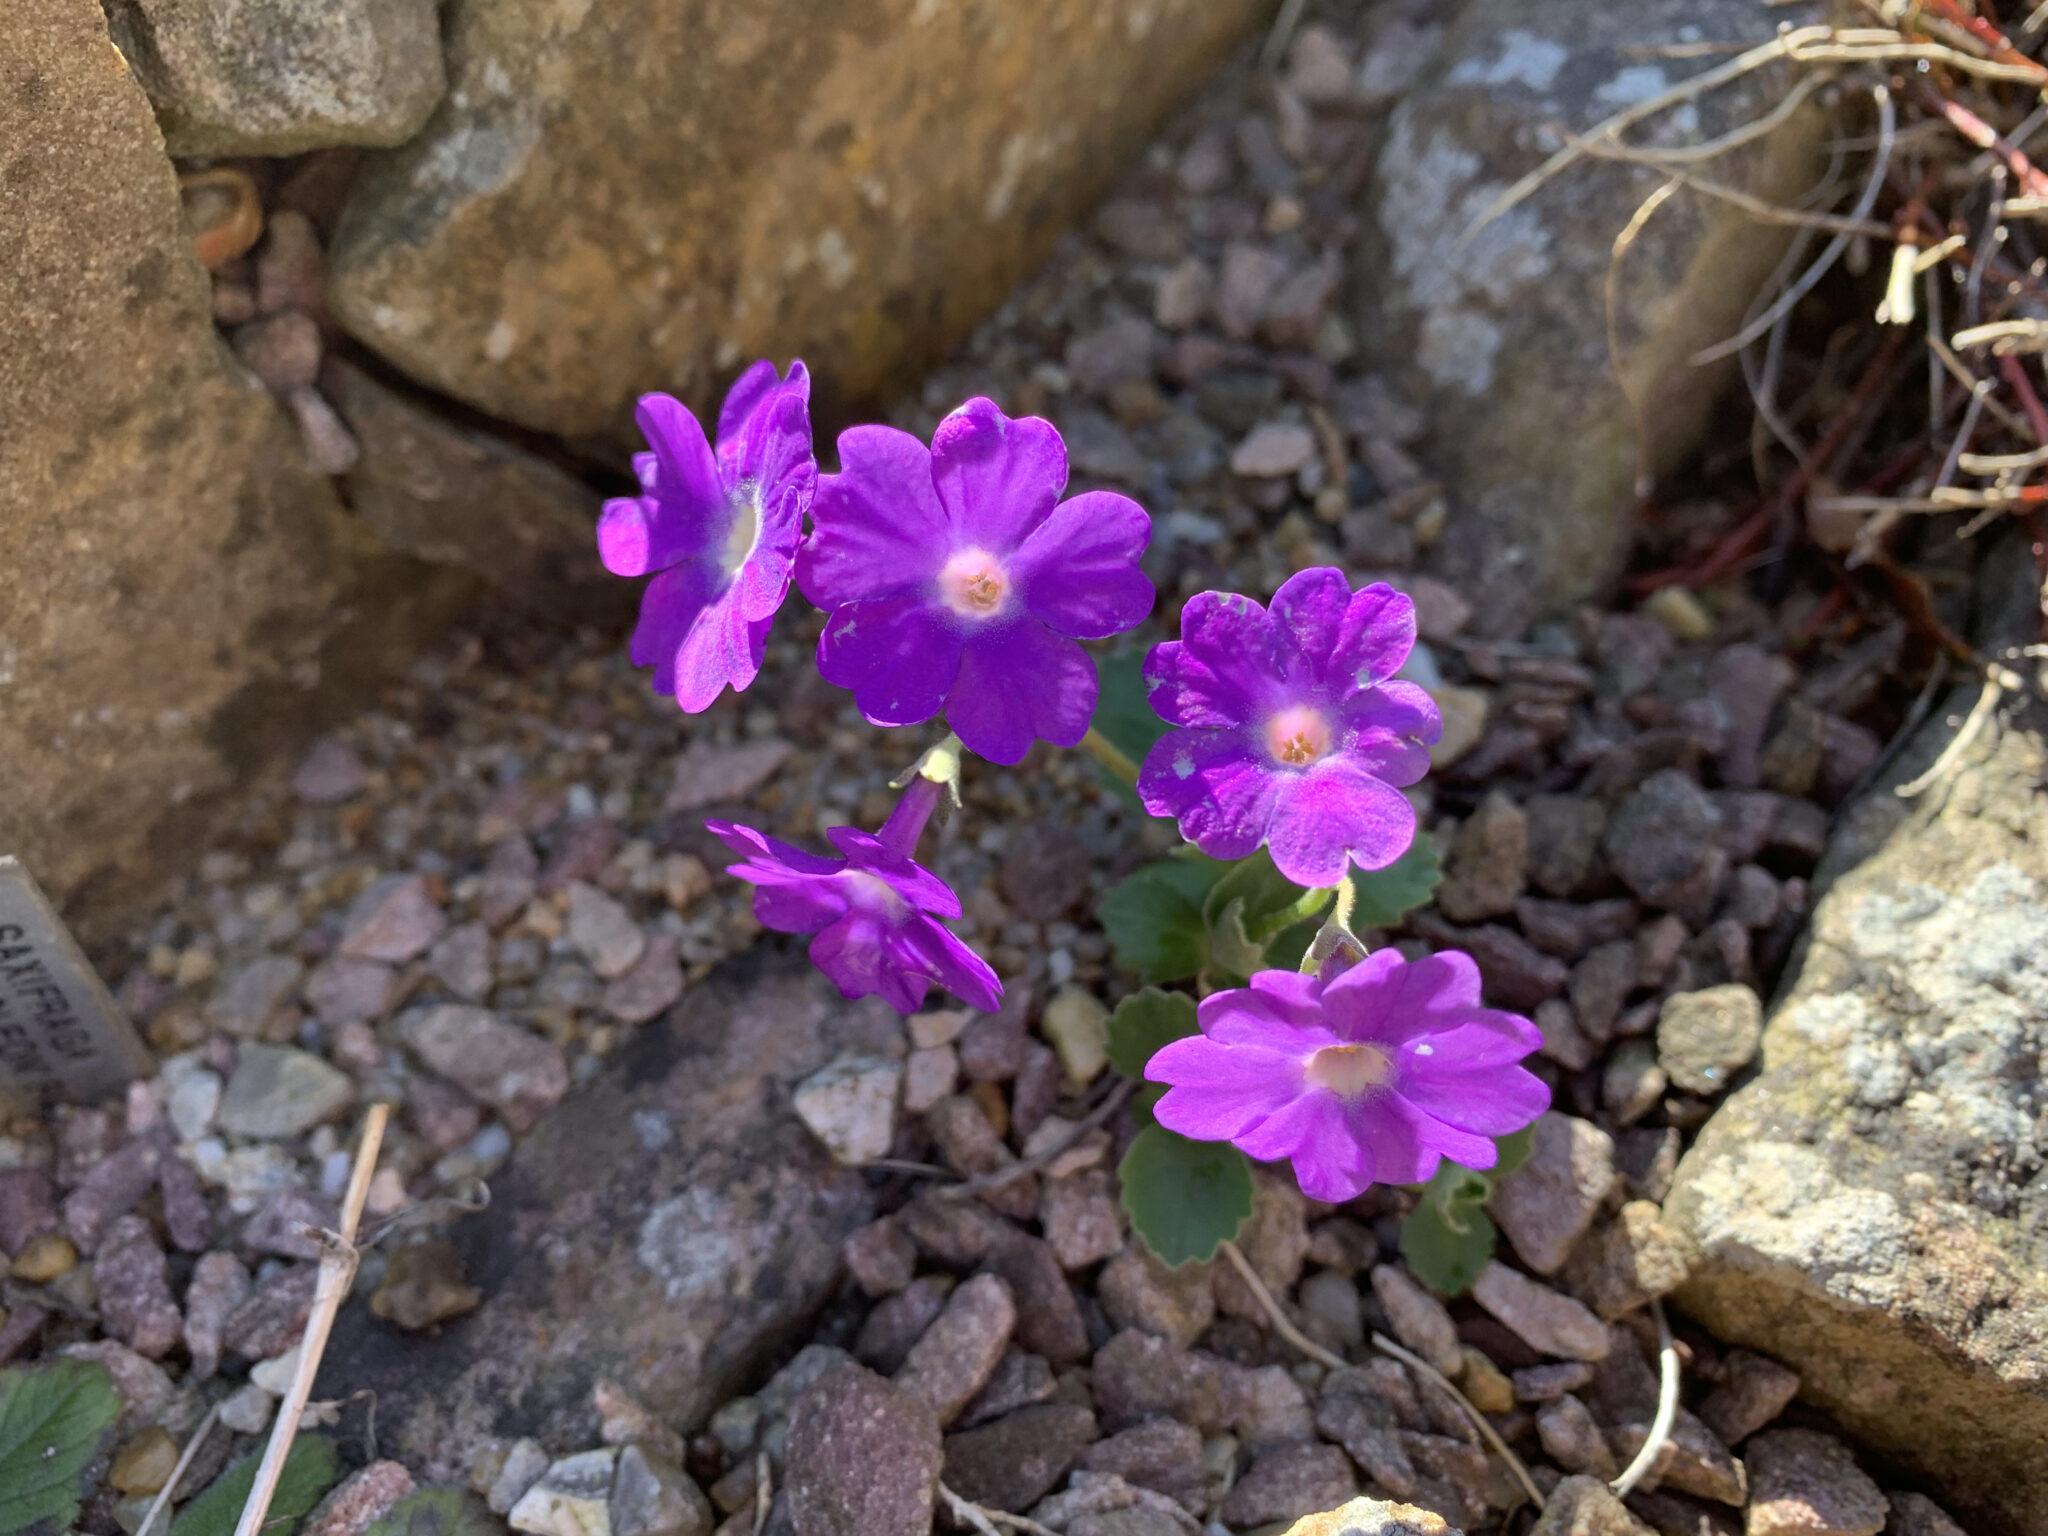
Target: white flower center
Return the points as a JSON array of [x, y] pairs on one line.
[[745, 530], [1297, 737], [974, 584], [1348, 1070]]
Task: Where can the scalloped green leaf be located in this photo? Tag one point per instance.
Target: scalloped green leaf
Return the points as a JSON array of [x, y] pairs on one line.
[[1184, 1197], [1384, 896], [1153, 917], [54, 1421], [1271, 902], [1448, 1237], [1145, 1021], [310, 1469]]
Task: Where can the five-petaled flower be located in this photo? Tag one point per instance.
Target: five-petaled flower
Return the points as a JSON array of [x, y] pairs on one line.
[[1368, 1076], [956, 579], [719, 530], [1294, 731], [875, 910]]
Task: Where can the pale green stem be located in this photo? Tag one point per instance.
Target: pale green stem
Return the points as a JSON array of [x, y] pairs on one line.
[[1110, 756], [1335, 934]]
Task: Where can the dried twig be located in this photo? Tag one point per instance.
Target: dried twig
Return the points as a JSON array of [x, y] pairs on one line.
[[1284, 1326], [338, 1257], [985, 1520], [1996, 681], [1667, 1407]]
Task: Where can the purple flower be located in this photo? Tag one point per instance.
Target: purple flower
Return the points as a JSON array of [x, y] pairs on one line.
[[1368, 1077], [956, 579], [719, 530], [1295, 733], [874, 912]]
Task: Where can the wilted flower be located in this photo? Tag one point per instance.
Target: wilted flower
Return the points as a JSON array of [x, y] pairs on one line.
[[874, 910], [956, 579], [1369, 1076], [718, 530], [1294, 731]]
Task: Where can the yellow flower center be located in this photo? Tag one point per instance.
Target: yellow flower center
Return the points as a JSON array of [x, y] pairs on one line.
[[974, 584], [1348, 1070], [1297, 737]]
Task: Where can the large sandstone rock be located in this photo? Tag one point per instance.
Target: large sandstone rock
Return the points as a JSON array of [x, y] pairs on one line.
[[173, 581], [1504, 339], [1872, 1209], [644, 194], [456, 496], [666, 1228], [279, 77]]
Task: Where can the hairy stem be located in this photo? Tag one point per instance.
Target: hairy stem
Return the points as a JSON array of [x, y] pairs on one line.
[[1110, 756]]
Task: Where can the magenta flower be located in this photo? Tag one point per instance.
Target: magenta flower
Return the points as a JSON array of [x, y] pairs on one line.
[[875, 911], [718, 530], [1368, 1077], [956, 579], [1294, 731]]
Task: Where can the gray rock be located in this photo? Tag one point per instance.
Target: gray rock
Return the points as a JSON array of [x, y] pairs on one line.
[[899, 1321], [1266, 1407], [393, 919], [1017, 1381], [959, 1351], [133, 1279], [1370, 1433], [1289, 1483], [1138, 1374], [452, 495], [571, 1498], [1545, 481], [524, 1462], [252, 994], [346, 990], [1162, 1454], [1753, 1390], [513, 1070], [1866, 1210], [329, 774], [863, 1455], [601, 254], [201, 542], [461, 961], [1372, 1517], [1049, 1321], [219, 1285], [881, 1257], [1627, 1262], [1545, 1205], [850, 1106], [652, 1496], [1584, 1506], [1661, 843], [1017, 1460], [605, 931], [1418, 1318], [1547, 1383], [231, 77], [1705, 1038], [1082, 1217], [1572, 1440], [1547, 1322], [1564, 841], [674, 1270], [279, 1091], [1488, 863], [1273, 448], [1693, 1460], [1138, 1291], [1274, 1239], [651, 987], [1914, 1514], [1804, 1483]]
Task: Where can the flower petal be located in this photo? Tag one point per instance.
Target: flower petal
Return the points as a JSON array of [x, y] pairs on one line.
[[794, 891], [747, 394], [945, 958], [1220, 790], [1020, 683], [899, 658], [1218, 1092], [858, 956], [998, 477], [1078, 570], [1224, 669], [668, 607], [1313, 1115], [878, 528], [1332, 814], [1407, 1143], [722, 646], [1308, 613], [905, 876], [1376, 637], [1388, 730], [1484, 1100]]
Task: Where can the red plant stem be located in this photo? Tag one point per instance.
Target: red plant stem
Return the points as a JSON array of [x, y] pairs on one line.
[[2032, 180], [2016, 375]]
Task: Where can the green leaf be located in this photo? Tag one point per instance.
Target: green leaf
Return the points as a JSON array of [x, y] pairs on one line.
[[1447, 1238], [1122, 712], [1145, 1021], [1233, 953], [1272, 902], [54, 1420], [1154, 918], [309, 1471], [1514, 1151], [1184, 1197], [436, 1512], [1385, 896]]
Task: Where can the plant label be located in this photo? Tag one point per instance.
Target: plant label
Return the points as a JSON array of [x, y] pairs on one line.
[[61, 1033]]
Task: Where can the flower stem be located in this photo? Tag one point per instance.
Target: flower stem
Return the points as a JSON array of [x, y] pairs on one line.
[[1335, 936], [907, 822], [1110, 756]]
